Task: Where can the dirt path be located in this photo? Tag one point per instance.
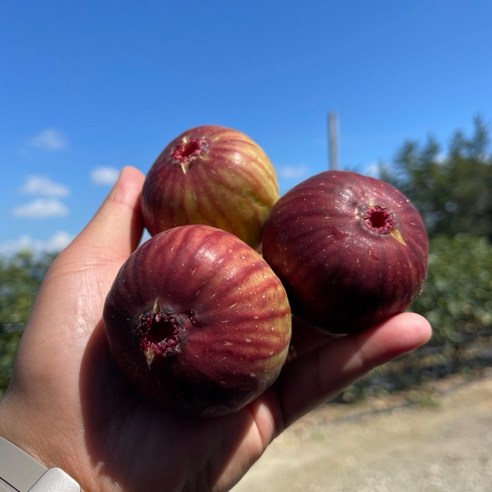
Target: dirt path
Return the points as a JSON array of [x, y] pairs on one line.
[[442, 444]]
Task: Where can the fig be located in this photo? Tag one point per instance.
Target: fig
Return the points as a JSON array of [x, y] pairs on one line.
[[198, 321], [351, 250], [211, 175]]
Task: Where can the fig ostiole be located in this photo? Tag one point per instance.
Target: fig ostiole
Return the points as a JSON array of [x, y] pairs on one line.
[[211, 175], [351, 250], [197, 320]]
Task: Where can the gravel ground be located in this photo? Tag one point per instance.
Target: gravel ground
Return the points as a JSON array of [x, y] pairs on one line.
[[436, 439]]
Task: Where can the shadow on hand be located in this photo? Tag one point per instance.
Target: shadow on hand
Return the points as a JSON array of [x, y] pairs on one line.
[[139, 445]]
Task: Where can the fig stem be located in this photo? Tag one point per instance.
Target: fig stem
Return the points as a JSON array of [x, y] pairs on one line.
[[398, 236], [157, 306]]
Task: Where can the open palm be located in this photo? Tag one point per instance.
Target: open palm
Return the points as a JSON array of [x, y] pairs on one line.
[[69, 406]]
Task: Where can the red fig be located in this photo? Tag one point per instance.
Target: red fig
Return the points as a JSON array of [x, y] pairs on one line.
[[351, 250], [198, 321], [211, 175]]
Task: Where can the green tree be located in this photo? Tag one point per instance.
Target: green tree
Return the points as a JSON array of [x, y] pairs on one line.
[[452, 191], [20, 277]]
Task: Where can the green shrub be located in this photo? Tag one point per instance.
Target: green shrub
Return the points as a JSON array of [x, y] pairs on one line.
[[457, 296], [20, 277]]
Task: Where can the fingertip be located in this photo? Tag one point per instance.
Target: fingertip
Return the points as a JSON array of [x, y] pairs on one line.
[[395, 337], [414, 328], [128, 184], [421, 326], [117, 225]]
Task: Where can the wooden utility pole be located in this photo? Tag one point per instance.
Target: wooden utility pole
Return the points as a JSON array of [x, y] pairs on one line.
[[332, 140]]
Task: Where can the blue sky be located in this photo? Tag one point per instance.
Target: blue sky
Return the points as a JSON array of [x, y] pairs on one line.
[[87, 87]]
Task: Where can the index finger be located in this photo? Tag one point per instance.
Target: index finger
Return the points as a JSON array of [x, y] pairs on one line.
[[320, 374]]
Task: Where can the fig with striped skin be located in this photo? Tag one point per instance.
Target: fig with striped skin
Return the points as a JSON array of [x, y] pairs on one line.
[[211, 175], [198, 321], [351, 250]]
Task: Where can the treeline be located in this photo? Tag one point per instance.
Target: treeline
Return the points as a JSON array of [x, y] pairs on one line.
[[452, 188]]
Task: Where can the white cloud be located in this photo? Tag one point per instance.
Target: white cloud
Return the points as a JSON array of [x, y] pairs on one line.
[[49, 139], [41, 208], [41, 185], [297, 172], [372, 169], [441, 158], [104, 176], [58, 241]]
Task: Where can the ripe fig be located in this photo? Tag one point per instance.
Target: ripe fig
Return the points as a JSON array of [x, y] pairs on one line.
[[351, 250], [211, 175], [198, 321]]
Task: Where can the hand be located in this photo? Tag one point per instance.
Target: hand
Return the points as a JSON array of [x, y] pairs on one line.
[[69, 406]]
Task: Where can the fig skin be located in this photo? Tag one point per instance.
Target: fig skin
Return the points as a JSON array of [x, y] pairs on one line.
[[351, 250], [211, 175], [198, 321]]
